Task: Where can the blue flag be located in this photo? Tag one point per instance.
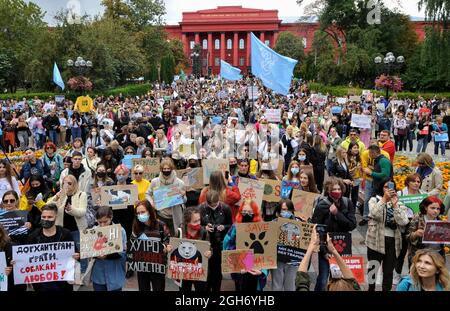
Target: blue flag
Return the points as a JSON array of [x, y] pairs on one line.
[[229, 72], [274, 70], [57, 77]]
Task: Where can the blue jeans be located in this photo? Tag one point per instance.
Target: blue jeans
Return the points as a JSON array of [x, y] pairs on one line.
[[324, 272], [422, 144], [76, 132], [103, 288], [329, 166], [367, 195], [53, 135], [40, 140], [436, 147], [83, 262]]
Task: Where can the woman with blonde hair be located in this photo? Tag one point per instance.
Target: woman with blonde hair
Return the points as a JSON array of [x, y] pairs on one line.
[[430, 175], [140, 181], [428, 273]]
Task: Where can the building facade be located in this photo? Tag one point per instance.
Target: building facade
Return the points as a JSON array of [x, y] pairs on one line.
[[224, 33]]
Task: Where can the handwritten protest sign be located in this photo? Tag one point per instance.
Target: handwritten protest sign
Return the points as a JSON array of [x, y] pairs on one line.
[[128, 160], [212, 165], [361, 121], [151, 167], [187, 260], [286, 188], [48, 262], [341, 100], [146, 256], [412, 201], [354, 263], [251, 189], [342, 242], [272, 190], [13, 222], [381, 107], [436, 232], [167, 196], [192, 178], [235, 261], [303, 203], [354, 98], [273, 115], [3, 276], [318, 99], [261, 237], [100, 241], [118, 197], [293, 236]]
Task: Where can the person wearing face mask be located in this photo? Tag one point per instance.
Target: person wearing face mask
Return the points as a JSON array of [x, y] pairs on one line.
[[293, 177], [268, 208], [146, 225], [192, 194], [216, 219], [50, 232], [233, 166], [101, 179], [172, 216], [338, 214], [34, 199], [94, 140], [430, 174], [248, 280]]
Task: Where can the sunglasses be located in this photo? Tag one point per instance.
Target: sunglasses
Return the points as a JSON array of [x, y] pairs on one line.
[[138, 173], [9, 201], [246, 213]]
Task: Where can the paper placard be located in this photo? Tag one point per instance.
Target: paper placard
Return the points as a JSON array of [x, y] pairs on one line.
[[261, 237], [167, 196], [290, 234], [336, 109], [320, 100], [341, 100], [13, 222], [251, 189], [286, 188], [361, 121], [187, 260], [151, 167], [100, 241], [436, 232], [235, 261], [192, 178], [354, 263], [381, 107], [272, 190], [303, 203], [3, 276], [146, 256], [119, 197], [353, 98], [47, 262], [273, 115], [342, 242], [128, 160], [212, 165]]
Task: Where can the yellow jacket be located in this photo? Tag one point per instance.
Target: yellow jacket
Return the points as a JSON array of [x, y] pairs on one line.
[[253, 167], [367, 161], [84, 104], [24, 206]]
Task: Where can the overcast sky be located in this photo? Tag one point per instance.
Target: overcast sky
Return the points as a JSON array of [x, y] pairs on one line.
[[286, 8]]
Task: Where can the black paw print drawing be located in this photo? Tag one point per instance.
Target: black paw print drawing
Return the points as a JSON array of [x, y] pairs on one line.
[[339, 245], [257, 246]]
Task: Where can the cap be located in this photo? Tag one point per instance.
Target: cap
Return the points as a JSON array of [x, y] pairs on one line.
[[193, 157]]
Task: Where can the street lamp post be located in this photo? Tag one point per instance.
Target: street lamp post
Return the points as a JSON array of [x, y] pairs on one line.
[[195, 59], [80, 65], [389, 63]]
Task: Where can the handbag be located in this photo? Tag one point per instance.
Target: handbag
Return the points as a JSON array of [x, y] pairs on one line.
[[441, 137]]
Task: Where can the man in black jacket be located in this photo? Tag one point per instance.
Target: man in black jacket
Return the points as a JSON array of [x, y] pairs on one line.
[[51, 124]]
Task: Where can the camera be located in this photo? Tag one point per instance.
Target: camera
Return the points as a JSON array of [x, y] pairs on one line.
[[322, 231]]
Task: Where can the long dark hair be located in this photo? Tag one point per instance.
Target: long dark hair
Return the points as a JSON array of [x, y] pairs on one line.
[[4, 238], [8, 169], [350, 154], [138, 227]]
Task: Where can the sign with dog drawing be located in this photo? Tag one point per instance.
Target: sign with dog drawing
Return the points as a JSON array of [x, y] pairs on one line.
[[234, 261], [188, 260], [100, 241], [119, 197], [289, 245], [261, 237]]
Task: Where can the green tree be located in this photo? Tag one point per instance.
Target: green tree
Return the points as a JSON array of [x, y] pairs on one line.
[[146, 12], [291, 46], [167, 68]]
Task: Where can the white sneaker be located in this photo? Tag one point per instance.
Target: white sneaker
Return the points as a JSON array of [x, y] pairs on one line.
[[397, 278]]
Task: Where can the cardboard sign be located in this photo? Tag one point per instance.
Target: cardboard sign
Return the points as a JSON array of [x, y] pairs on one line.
[[3, 277], [151, 167], [251, 189], [167, 196], [192, 178], [354, 263], [320, 100], [341, 100], [287, 186], [47, 262], [361, 121], [356, 99], [13, 222], [118, 197], [212, 165], [293, 236], [100, 241], [59, 99], [303, 203], [186, 150], [436, 232], [342, 242], [128, 160], [261, 237], [413, 201], [146, 256], [235, 261], [187, 260], [273, 115], [381, 107], [272, 190]]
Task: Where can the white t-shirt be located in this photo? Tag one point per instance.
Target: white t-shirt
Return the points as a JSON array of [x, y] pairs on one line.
[[5, 186]]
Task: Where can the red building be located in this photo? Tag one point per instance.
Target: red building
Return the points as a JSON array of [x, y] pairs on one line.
[[224, 33]]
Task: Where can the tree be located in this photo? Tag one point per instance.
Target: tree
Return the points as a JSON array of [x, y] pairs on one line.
[[291, 46], [146, 12]]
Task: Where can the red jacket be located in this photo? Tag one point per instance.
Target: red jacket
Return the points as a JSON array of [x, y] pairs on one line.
[[389, 147]]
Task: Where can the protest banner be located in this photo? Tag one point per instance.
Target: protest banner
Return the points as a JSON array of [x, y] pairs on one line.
[[59, 99], [261, 237], [251, 189], [273, 115], [167, 196], [354, 263], [341, 100], [272, 190], [293, 236], [253, 92], [303, 203], [187, 149], [381, 107], [187, 260], [342, 242], [146, 256], [336, 109], [319, 99], [118, 197], [13, 222], [100, 241], [286, 188], [354, 98], [3, 276], [151, 167], [128, 160], [47, 262], [212, 165], [235, 261], [192, 178], [361, 121], [412, 201], [436, 232]]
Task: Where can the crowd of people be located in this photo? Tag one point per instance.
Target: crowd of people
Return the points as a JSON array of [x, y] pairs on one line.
[[350, 168]]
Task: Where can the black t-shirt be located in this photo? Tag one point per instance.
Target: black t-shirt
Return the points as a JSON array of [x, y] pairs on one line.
[[69, 221]]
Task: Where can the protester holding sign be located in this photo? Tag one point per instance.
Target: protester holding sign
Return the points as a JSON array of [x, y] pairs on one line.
[[10, 202], [124, 216], [430, 174], [430, 208], [440, 133], [6, 247], [139, 180], [146, 226], [291, 179], [338, 214], [34, 199], [108, 271]]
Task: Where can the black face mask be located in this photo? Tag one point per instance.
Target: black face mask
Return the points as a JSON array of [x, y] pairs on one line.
[[192, 164], [167, 173], [101, 174], [46, 224], [242, 175], [247, 218], [233, 166]]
